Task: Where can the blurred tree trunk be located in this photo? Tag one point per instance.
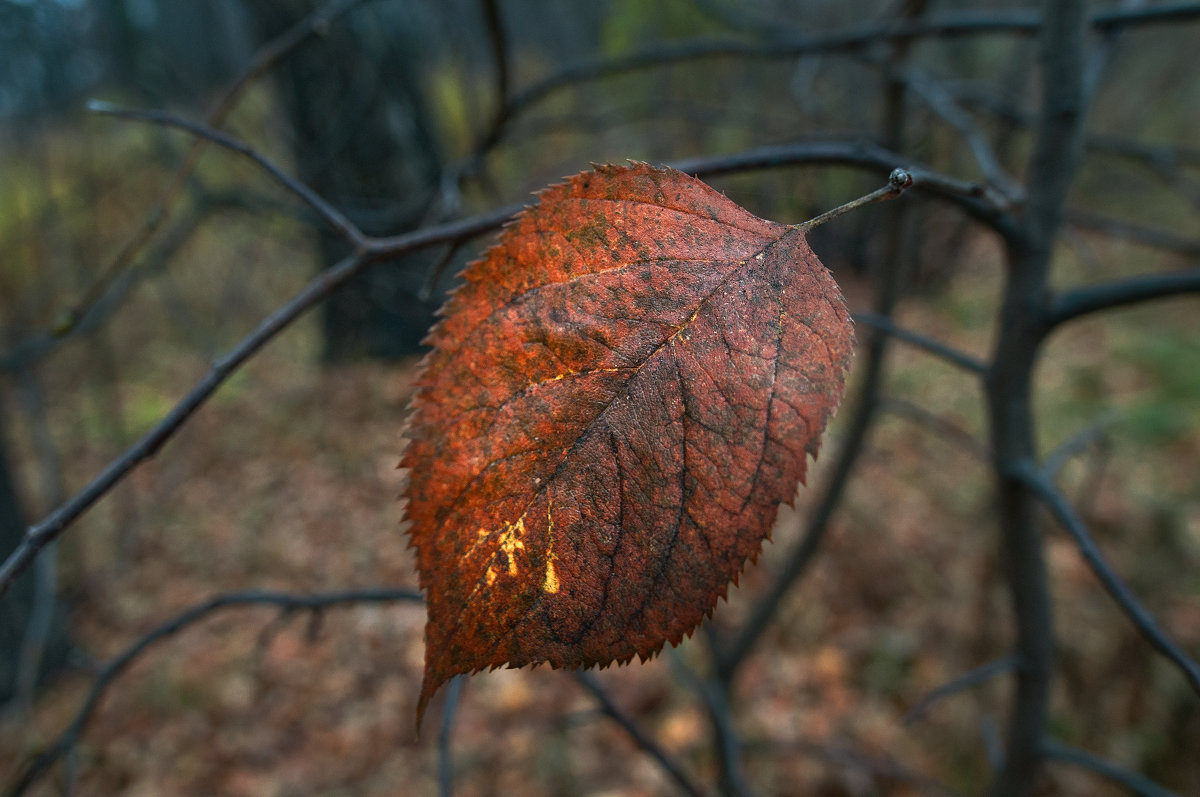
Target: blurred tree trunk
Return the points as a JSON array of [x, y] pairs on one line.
[[362, 141]]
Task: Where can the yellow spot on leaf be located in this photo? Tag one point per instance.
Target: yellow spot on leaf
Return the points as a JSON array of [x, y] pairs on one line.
[[551, 582], [510, 542]]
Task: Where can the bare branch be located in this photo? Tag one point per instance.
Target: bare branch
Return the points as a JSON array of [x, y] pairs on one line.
[[1137, 233], [1136, 783], [1154, 155], [1037, 481], [1086, 438], [30, 350], [1154, 15], [972, 198], [951, 355], [942, 105], [288, 602], [433, 275], [855, 38], [39, 628], [1158, 155], [272, 53], [1078, 302], [967, 680], [444, 755], [729, 745], [327, 212], [950, 431], [1161, 159], [589, 682]]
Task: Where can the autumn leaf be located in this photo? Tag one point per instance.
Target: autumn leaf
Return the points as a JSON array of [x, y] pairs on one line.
[[619, 396]]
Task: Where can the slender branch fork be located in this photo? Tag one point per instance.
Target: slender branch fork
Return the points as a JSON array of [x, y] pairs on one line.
[[592, 684], [331, 215], [1137, 784], [1037, 480]]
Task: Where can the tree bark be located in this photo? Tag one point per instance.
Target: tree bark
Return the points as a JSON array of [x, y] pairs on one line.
[[362, 141]]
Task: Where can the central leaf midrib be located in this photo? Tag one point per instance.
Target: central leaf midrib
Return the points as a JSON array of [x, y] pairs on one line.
[[587, 428]]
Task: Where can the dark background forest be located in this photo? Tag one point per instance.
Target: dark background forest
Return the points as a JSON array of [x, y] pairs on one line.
[[132, 260]]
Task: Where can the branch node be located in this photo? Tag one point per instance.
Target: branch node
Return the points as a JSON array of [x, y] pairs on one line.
[[900, 179]]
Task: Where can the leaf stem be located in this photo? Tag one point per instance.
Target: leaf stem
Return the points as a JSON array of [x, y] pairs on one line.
[[898, 181]]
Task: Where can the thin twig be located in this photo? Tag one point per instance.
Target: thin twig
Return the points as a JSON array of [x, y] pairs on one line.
[[1076, 443], [1037, 481], [1135, 782], [942, 105], [286, 601], [948, 353], [589, 682], [1153, 15], [1077, 302], [952, 432], [729, 745], [714, 692], [1163, 240], [326, 211], [971, 197], [1159, 157], [433, 276], [845, 756], [967, 680], [444, 755], [1164, 161], [898, 181]]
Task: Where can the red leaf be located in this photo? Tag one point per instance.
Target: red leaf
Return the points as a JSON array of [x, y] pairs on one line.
[[618, 399]]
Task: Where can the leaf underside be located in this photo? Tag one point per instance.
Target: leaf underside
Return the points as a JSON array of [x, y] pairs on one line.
[[619, 396]]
